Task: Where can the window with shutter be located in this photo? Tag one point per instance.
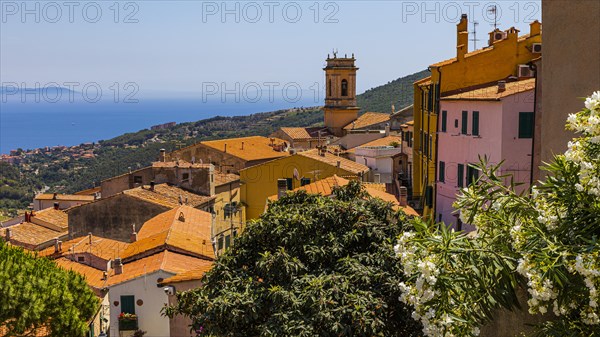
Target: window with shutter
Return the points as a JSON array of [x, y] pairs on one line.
[[128, 304], [442, 171], [525, 124], [465, 117], [460, 175], [475, 127], [444, 120]]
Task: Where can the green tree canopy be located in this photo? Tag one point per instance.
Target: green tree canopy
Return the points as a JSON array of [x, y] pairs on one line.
[[310, 266], [36, 294]]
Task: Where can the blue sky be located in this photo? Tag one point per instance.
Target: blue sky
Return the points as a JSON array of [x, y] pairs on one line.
[[176, 46]]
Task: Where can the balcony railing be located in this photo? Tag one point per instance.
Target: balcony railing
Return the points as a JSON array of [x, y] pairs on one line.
[[128, 324]]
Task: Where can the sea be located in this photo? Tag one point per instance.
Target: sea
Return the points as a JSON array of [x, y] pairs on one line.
[[31, 124]]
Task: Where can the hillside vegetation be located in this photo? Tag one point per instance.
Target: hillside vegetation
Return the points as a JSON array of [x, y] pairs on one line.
[[65, 173]]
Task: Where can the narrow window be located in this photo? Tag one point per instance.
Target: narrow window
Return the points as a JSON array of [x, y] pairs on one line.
[[525, 124], [472, 174], [227, 241], [442, 172], [344, 88], [475, 127], [128, 304], [329, 88], [430, 146], [220, 244], [444, 120], [460, 175], [465, 117], [289, 183]]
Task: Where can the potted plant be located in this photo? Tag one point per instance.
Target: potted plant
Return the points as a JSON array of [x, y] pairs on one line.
[[128, 321]]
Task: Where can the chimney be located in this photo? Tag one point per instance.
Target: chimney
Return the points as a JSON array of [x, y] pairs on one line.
[[26, 217], [56, 206], [162, 156], [225, 148], [242, 145], [403, 196], [90, 238], [462, 37], [501, 86], [535, 28], [133, 236], [180, 200], [387, 129], [281, 187], [104, 276], [118, 266], [57, 245], [152, 185], [8, 233], [339, 164], [54, 196]]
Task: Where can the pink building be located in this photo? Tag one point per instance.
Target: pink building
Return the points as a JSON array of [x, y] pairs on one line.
[[494, 121]]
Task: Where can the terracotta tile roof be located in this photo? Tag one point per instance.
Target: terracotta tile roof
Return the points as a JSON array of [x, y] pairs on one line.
[[65, 197], [222, 178], [178, 163], [89, 191], [375, 186], [367, 119], [43, 331], [305, 133], [191, 275], [255, 148], [328, 158], [410, 123], [167, 261], [106, 249], [424, 81], [384, 141], [183, 228], [491, 92], [51, 218], [325, 187], [30, 235], [166, 195]]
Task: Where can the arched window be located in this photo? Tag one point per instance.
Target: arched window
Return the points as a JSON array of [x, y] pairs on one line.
[[329, 88], [344, 88]]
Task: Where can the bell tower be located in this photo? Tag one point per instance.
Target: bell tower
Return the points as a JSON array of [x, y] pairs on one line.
[[340, 97]]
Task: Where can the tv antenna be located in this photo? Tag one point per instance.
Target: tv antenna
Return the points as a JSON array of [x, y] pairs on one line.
[[494, 10], [474, 32]]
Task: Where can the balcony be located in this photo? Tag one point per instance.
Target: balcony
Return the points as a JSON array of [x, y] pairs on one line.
[[128, 323]]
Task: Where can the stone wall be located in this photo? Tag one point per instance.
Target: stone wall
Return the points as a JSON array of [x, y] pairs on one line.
[[112, 217]]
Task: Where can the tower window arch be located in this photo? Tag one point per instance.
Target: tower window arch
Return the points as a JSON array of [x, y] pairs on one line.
[[344, 88], [329, 88]]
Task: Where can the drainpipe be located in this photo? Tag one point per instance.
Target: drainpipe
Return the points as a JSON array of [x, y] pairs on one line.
[[533, 67], [438, 107]]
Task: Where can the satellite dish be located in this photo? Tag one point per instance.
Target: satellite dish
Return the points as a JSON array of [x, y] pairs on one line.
[[296, 174]]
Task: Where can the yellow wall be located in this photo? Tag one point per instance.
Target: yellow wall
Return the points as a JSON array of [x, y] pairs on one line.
[[260, 181], [484, 66]]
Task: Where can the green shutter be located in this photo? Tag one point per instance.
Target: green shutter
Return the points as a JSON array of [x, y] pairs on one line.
[[475, 123], [128, 304], [290, 184], [227, 241], [444, 120], [465, 117], [304, 181], [525, 124], [460, 175], [442, 171]]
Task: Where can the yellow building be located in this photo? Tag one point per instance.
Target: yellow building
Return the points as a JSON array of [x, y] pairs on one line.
[[505, 58], [340, 100], [280, 175]]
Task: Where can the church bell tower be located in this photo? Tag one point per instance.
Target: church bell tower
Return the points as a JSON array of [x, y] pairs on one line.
[[340, 97]]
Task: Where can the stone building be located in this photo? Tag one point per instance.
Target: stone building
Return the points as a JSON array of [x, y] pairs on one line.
[[233, 154], [113, 217]]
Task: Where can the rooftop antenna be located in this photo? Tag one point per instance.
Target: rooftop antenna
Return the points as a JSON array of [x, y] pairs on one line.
[[493, 9], [474, 32]]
